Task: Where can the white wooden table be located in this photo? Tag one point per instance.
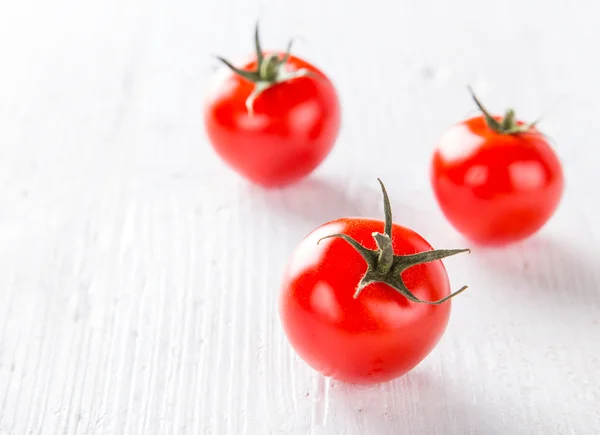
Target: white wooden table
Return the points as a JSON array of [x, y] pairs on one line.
[[139, 276]]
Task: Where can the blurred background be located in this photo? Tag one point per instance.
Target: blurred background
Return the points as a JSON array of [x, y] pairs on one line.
[[139, 275]]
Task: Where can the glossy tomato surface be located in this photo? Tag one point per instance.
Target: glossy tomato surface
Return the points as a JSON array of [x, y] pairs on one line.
[[293, 128], [376, 337], [495, 188]]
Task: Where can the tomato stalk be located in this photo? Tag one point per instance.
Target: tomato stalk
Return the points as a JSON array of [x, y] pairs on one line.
[[506, 125], [270, 71], [386, 267]]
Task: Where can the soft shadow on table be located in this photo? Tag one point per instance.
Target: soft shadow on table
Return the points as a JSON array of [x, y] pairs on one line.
[[420, 403], [545, 267], [318, 200]]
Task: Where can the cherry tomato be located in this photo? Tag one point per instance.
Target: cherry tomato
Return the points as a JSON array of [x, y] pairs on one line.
[[275, 119], [355, 300], [496, 179]]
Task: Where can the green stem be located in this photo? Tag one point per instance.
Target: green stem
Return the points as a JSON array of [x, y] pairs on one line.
[[386, 267], [387, 210], [270, 71], [507, 125], [385, 258], [257, 47], [269, 68], [489, 119]]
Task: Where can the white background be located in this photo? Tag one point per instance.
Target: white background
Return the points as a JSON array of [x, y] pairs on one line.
[[139, 276]]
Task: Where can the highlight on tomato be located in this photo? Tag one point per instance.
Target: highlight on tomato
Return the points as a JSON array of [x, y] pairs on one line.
[[274, 118], [364, 300], [496, 179]]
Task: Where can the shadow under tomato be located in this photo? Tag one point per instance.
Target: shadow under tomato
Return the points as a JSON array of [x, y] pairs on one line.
[[545, 267], [418, 403], [313, 200], [319, 200]]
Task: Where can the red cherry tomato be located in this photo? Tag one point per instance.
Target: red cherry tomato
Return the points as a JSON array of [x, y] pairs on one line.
[[275, 119], [497, 180], [350, 319]]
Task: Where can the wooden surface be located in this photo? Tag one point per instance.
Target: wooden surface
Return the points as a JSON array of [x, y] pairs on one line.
[[139, 276]]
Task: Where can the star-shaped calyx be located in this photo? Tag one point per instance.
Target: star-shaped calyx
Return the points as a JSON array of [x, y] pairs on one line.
[[507, 125], [270, 70], [386, 267]]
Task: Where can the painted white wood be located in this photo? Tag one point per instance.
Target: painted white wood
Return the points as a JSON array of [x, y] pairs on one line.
[[139, 276]]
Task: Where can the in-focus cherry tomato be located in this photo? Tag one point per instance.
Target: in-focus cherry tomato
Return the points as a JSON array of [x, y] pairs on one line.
[[275, 119], [496, 179], [355, 301]]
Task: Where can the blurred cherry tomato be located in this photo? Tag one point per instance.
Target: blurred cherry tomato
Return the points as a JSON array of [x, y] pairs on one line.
[[496, 179], [275, 119]]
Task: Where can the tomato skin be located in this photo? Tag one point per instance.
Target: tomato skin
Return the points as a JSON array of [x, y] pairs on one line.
[[376, 337], [495, 188], [294, 126]]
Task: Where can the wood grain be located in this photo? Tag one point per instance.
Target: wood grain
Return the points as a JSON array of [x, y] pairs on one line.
[[139, 276]]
